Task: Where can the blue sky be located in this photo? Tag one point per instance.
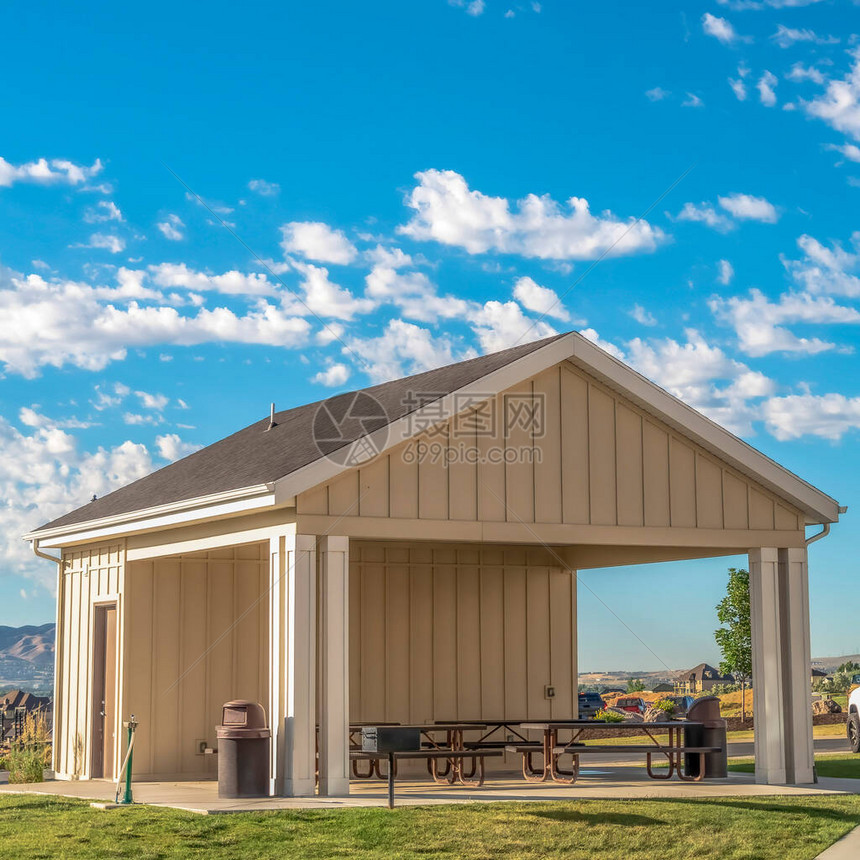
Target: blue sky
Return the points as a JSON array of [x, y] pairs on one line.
[[200, 214]]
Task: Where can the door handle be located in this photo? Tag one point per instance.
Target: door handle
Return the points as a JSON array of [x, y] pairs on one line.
[[102, 711]]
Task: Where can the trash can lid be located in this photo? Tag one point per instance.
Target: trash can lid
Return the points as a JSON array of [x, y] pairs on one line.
[[243, 714]]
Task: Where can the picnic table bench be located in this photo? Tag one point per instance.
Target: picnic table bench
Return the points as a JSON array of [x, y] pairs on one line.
[[552, 751], [432, 756]]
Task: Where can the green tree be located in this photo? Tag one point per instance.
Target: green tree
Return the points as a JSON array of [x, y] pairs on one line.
[[734, 638], [635, 685]]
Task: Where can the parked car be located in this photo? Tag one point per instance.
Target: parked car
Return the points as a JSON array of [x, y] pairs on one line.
[[682, 703], [853, 726], [632, 703], [590, 704]]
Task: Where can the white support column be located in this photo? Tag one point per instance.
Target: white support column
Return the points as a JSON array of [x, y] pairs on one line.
[[334, 665], [796, 656], [292, 668], [277, 589], [767, 666]]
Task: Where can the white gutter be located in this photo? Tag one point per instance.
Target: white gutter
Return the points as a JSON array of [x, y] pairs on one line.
[[157, 511]]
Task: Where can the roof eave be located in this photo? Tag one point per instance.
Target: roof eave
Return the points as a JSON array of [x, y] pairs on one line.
[[227, 503]]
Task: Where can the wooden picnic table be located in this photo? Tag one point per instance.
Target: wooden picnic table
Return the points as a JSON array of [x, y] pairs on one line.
[[552, 750]]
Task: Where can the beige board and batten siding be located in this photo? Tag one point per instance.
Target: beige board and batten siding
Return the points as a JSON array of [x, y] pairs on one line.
[[88, 576], [602, 463], [443, 632], [196, 637]]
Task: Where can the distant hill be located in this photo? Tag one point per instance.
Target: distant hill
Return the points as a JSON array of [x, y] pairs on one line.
[[31, 644], [831, 664]]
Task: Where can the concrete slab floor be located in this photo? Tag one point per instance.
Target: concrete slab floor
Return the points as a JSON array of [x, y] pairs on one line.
[[618, 783]]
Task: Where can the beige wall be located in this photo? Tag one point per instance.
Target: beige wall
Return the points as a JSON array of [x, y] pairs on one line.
[[88, 576], [185, 656], [447, 632], [603, 462]]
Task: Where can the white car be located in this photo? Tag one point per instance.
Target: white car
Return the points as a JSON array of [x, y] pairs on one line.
[[853, 726]]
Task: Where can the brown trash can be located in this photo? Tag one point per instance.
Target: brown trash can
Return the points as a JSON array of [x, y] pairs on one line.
[[711, 733], [243, 750]]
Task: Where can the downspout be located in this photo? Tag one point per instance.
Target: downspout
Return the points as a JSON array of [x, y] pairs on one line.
[[35, 544], [58, 644], [825, 528]]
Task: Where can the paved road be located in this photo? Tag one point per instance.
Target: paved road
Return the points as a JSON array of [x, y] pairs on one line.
[[736, 748]]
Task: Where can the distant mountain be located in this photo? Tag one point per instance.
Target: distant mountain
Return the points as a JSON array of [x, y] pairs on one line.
[[30, 644]]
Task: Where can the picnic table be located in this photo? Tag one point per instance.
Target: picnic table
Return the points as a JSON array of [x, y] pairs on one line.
[[551, 750], [452, 753]]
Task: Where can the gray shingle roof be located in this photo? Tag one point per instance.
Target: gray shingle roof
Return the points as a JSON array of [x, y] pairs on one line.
[[252, 456]]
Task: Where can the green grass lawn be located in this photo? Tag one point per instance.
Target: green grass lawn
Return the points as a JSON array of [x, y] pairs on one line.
[[764, 828], [837, 765]]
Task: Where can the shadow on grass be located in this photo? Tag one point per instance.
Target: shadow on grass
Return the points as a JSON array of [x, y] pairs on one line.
[[573, 816]]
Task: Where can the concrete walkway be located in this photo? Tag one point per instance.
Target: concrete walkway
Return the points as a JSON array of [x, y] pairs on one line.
[[847, 848], [617, 783]]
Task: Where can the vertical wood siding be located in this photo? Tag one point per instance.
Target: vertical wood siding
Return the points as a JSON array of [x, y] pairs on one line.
[[597, 460], [88, 576], [196, 637], [459, 632]]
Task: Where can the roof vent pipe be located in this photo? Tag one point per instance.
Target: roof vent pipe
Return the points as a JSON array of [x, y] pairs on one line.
[[272, 422]]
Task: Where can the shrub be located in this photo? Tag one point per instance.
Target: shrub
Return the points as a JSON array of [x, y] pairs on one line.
[[30, 753], [607, 716], [665, 705]]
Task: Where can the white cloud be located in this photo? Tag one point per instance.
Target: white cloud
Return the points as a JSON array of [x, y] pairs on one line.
[[642, 316], [657, 94], [706, 214], [233, 283], [326, 299], [499, 325], [704, 377], [749, 208], [152, 401], [315, 240], [404, 348], [57, 171], [414, 294], [104, 241], [739, 88], [721, 29], [760, 323], [828, 416], [785, 37], [542, 300], [171, 228], [692, 101], [839, 106], [827, 270], [472, 7], [329, 333], [391, 258], [43, 475], [104, 210], [727, 272], [743, 5], [171, 447], [848, 150], [263, 188], [766, 88], [61, 322], [333, 376], [799, 73], [448, 211]]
